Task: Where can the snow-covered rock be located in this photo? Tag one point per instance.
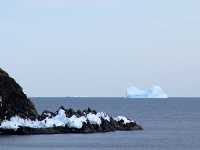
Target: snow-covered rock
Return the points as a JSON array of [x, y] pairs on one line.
[[124, 119], [153, 92], [61, 120]]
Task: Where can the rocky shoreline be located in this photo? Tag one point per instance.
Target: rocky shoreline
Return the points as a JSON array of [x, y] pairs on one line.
[[47, 124], [18, 116]]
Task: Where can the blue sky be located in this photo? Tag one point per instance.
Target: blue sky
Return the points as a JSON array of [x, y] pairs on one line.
[[99, 48]]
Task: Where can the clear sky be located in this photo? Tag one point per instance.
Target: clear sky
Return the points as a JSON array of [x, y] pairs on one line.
[[100, 47]]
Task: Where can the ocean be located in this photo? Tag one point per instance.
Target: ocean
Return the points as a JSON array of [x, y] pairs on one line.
[[169, 124]]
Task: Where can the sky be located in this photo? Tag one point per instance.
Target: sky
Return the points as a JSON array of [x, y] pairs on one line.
[[101, 47]]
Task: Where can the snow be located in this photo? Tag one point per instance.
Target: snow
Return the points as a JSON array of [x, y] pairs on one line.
[[76, 122], [119, 118], [94, 119], [103, 115], [153, 92], [60, 120]]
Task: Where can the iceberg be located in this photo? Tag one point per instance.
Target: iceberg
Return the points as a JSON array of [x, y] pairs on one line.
[[153, 92]]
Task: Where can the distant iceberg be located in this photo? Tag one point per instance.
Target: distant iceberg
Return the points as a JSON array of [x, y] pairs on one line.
[[153, 92]]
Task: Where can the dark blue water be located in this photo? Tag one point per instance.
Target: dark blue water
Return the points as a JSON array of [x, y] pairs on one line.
[[169, 124]]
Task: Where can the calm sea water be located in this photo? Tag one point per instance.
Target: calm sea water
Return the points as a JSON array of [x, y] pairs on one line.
[[169, 124]]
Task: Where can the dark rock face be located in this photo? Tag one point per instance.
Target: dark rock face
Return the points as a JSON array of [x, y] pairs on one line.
[[13, 101]]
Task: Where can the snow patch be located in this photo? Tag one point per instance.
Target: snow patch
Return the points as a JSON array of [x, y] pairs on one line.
[[103, 115], [94, 119], [124, 119]]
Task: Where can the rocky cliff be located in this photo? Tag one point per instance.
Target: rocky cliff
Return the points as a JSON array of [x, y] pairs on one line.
[[13, 101]]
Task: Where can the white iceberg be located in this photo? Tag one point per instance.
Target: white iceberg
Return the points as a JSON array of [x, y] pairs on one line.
[[153, 92]]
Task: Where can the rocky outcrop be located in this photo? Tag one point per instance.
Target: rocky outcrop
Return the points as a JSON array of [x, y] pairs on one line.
[[13, 101], [19, 116], [71, 122]]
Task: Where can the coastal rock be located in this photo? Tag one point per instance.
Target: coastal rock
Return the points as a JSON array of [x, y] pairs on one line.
[[13, 101], [19, 116], [60, 122]]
